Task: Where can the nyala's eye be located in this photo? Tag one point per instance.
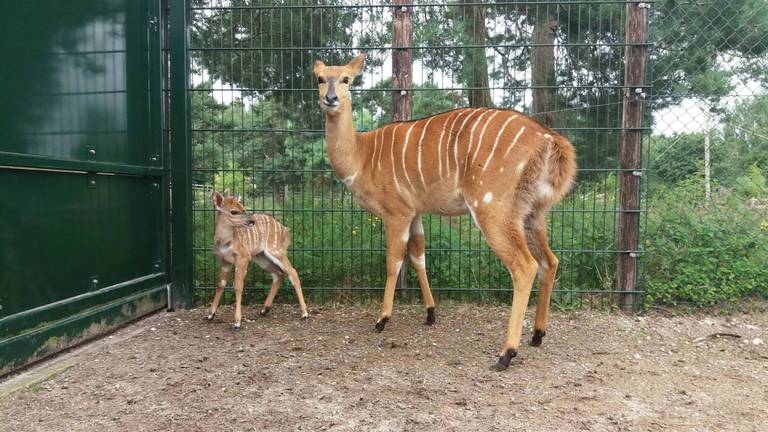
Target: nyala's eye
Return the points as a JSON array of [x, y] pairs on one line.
[[345, 80], [320, 80], [234, 212]]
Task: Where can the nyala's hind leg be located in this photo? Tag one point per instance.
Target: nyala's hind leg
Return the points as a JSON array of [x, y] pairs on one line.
[[294, 278], [536, 234], [220, 285], [277, 280]]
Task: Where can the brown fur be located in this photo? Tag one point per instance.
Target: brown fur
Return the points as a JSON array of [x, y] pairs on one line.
[[241, 238], [505, 168]]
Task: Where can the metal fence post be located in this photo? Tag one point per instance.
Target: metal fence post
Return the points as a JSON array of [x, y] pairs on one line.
[[181, 159], [402, 81], [636, 40]]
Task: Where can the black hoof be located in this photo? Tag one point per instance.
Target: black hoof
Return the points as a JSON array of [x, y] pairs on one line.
[[504, 360], [236, 327], [430, 316], [305, 316], [380, 324], [264, 311], [210, 317], [538, 336]]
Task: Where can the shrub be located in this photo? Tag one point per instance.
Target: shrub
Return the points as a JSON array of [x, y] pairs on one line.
[[700, 255]]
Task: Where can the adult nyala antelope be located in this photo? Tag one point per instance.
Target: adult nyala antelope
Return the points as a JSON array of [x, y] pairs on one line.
[[241, 238], [504, 168]]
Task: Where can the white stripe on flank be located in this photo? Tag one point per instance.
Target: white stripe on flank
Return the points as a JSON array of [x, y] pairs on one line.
[[421, 173], [392, 156], [274, 232], [381, 148], [405, 147], [440, 149], [448, 142], [480, 139], [496, 143], [375, 145], [249, 230], [520, 132], [456, 147], [259, 230], [472, 139]]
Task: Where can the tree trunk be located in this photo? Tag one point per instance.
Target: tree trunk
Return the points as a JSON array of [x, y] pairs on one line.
[[402, 82], [475, 63], [543, 66], [402, 61], [628, 228]]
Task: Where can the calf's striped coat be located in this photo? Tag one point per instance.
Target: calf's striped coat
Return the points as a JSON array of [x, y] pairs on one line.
[[241, 238], [503, 167]]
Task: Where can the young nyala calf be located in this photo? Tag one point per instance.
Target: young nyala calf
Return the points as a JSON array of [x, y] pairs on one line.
[[241, 238]]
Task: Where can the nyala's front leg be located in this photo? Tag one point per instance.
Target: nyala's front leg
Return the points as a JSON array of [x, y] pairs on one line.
[[241, 269], [221, 283]]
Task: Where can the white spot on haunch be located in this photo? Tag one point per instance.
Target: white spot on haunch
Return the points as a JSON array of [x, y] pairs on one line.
[[418, 261], [544, 188], [488, 197], [520, 167], [474, 203], [501, 169], [349, 180]]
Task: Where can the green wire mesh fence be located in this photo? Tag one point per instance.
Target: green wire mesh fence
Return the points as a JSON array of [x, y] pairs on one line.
[[257, 129]]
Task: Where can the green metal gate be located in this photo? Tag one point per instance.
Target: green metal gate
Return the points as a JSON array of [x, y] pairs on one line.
[[84, 243]]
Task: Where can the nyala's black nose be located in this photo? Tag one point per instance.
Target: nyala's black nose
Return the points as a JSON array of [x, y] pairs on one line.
[[330, 100]]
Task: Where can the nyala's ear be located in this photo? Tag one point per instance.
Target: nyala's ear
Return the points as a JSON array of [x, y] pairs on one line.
[[238, 198], [355, 65], [319, 65], [217, 200]]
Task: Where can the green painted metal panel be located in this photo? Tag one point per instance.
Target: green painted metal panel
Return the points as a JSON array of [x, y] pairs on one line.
[[75, 82], [49, 337], [84, 243], [65, 234]]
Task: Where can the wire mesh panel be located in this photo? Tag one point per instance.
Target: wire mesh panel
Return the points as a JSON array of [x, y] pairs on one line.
[[706, 226], [257, 129]]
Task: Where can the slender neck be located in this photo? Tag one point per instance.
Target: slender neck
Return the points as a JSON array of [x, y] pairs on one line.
[[341, 139]]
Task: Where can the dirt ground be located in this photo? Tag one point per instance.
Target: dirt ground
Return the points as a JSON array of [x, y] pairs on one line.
[[595, 371]]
